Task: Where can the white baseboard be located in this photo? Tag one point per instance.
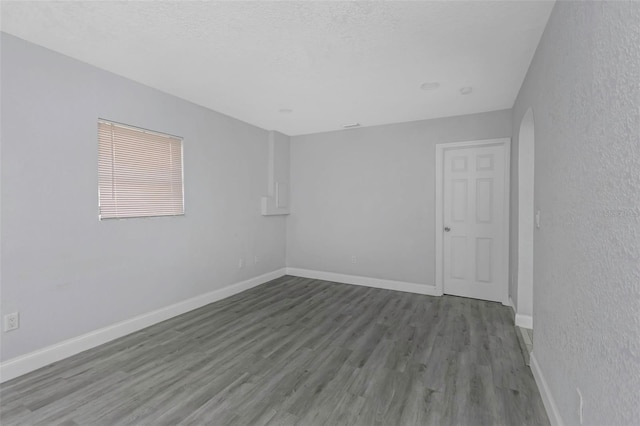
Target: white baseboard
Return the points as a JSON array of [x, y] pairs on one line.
[[547, 399], [429, 290], [32, 361], [524, 321]]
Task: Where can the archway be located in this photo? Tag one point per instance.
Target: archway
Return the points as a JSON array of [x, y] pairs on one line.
[[526, 160]]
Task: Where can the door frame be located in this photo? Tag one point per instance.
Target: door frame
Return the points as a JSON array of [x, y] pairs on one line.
[[441, 148]]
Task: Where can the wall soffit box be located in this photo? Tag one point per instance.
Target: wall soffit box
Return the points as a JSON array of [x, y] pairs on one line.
[[277, 200]]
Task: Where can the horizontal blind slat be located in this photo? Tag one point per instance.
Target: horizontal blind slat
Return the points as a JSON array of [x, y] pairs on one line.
[[139, 172]]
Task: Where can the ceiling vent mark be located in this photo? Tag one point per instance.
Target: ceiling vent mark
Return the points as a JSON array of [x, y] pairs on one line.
[[430, 85]]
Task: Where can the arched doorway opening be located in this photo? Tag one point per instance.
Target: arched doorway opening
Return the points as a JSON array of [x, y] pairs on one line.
[[526, 161]]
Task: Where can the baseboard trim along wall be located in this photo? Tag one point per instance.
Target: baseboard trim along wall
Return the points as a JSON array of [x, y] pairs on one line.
[[32, 361], [547, 399], [524, 321], [426, 289]]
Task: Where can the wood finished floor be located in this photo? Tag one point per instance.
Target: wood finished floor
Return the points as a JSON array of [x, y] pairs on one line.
[[296, 351]]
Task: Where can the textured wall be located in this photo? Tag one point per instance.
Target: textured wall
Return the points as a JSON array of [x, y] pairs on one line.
[[370, 193], [583, 85], [68, 273]]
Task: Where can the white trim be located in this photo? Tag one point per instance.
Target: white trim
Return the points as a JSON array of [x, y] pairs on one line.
[[32, 361], [440, 149], [524, 321], [439, 219], [547, 399], [408, 287]]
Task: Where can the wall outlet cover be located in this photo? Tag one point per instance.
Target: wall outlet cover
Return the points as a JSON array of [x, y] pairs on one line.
[[12, 321]]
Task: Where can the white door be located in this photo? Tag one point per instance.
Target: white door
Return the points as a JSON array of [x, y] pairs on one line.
[[474, 223]]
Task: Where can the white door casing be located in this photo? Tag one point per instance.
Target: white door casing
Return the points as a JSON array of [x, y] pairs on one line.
[[472, 219]]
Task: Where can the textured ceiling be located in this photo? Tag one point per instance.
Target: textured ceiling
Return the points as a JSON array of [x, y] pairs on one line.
[[332, 63]]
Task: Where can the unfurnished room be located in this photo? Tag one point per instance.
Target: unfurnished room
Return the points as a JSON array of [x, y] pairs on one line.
[[370, 213]]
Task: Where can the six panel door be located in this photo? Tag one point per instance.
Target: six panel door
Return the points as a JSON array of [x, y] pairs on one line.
[[473, 218]]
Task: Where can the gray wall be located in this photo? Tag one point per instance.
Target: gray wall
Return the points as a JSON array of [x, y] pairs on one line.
[[369, 193], [583, 87], [68, 273]]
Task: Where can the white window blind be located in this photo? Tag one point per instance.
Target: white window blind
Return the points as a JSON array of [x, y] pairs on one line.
[[139, 172]]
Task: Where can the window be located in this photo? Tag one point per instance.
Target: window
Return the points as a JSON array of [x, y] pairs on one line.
[[139, 172]]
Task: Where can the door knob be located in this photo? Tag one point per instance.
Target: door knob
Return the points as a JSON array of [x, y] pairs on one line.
[[447, 229]]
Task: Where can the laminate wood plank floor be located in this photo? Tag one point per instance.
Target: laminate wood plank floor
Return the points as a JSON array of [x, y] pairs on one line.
[[296, 351]]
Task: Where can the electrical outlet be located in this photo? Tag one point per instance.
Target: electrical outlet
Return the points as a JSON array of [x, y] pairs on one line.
[[354, 259], [256, 259], [11, 321], [240, 263], [581, 404]]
